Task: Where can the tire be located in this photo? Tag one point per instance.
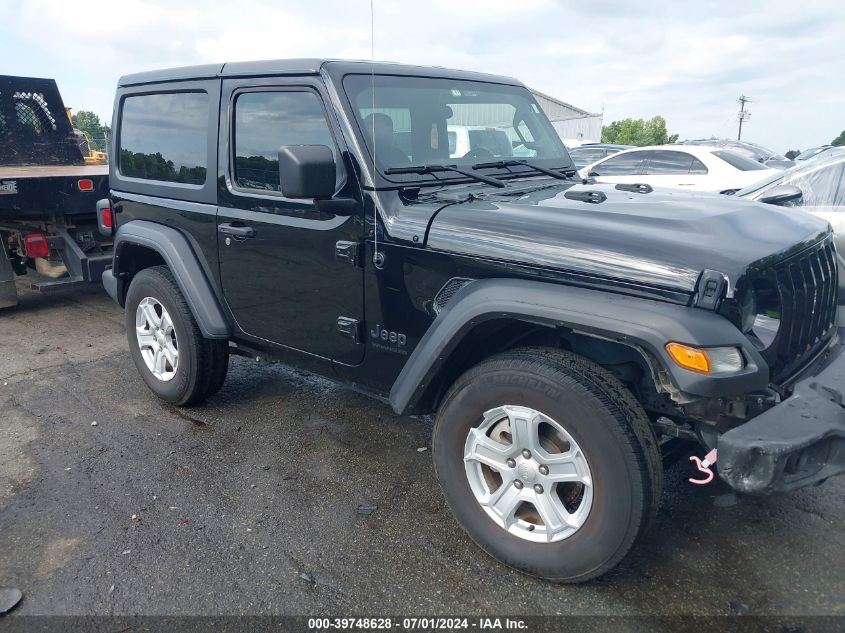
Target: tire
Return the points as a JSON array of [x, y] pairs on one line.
[[571, 400], [201, 363]]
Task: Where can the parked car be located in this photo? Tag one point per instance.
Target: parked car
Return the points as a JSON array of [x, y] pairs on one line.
[[750, 150], [591, 152], [816, 186], [567, 335], [690, 167]]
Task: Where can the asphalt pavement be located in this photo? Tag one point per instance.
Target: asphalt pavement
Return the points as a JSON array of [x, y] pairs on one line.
[[288, 494]]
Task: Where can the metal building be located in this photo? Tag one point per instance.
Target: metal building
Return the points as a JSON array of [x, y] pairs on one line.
[[574, 125]]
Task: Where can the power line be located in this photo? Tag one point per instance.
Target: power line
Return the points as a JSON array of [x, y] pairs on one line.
[[744, 114]]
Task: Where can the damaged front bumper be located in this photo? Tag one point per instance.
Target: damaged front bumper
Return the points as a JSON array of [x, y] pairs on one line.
[[799, 442]]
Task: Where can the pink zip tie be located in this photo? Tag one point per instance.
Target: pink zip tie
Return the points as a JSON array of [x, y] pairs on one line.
[[704, 466]]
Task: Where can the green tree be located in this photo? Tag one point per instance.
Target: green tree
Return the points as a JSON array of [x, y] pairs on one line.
[[839, 140], [638, 132]]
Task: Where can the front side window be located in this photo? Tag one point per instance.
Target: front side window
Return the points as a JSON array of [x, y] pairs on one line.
[[414, 121], [630, 164], [165, 137], [264, 121]]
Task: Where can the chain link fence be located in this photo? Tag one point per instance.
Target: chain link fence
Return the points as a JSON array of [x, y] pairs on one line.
[[99, 142]]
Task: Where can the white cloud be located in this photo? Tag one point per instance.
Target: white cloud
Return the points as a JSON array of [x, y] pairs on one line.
[[688, 62]]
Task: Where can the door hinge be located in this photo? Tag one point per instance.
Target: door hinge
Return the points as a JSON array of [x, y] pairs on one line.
[[711, 288], [350, 328], [348, 252]]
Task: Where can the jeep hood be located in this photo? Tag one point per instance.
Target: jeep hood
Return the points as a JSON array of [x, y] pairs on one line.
[[661, 238]]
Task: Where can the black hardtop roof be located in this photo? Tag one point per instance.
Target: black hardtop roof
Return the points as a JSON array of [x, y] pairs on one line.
[[338, 67]]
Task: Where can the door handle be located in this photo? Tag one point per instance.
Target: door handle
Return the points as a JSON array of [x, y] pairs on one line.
[[236, 231]]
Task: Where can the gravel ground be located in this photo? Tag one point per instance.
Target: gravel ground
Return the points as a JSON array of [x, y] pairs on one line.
[[249, 503]]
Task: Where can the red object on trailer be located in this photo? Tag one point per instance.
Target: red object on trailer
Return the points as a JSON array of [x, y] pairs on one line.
[[36, 245]]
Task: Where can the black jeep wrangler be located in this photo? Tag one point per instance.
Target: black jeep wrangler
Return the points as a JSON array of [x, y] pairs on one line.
[[420, 234]]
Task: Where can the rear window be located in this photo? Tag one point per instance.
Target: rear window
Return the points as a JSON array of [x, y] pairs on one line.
[[740, 162], [667, 162], [662, 162], [164, 137], [587, 156]]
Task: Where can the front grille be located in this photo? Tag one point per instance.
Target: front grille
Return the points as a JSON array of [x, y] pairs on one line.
[[807, 286]]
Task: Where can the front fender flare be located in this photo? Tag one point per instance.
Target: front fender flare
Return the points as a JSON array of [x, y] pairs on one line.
[[177, 253], [634, 321]]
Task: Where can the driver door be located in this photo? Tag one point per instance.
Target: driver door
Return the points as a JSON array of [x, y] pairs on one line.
[[279, 269]]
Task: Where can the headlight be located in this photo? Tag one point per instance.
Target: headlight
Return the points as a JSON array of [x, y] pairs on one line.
[[706, 360]]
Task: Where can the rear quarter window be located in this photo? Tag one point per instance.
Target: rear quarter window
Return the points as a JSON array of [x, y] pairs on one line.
[[164, 137]]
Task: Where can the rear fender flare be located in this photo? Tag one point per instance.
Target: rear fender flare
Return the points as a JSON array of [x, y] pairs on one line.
[[177, 253]]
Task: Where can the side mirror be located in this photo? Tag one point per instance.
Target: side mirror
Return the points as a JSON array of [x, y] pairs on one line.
[[306, 171], [783, 196]]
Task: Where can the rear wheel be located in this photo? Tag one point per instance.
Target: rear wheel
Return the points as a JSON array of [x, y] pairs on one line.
[[548, 462], [176, 362]]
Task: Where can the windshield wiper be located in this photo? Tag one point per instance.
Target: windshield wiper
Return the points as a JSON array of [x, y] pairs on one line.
[[430, 169], [511, 162]]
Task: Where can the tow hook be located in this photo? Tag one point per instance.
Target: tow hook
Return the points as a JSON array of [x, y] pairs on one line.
[[704, 466]]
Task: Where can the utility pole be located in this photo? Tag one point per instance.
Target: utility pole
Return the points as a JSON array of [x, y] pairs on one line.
[[744, 114]]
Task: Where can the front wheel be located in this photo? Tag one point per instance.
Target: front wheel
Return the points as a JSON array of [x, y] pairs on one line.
[[176, 362], [548, 462]]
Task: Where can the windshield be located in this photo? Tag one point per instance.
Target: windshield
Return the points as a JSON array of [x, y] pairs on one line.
[[810, 153], [740, 162], [441, 121]]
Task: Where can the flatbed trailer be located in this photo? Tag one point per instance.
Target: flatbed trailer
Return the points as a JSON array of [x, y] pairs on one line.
[[19, 172], [48, 195]]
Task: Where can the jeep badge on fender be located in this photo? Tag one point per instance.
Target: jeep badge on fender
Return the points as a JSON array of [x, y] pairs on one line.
[[388, 336]]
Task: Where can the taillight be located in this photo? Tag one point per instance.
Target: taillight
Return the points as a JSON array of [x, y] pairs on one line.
[[85, 184], [105, 217], [36, 245]]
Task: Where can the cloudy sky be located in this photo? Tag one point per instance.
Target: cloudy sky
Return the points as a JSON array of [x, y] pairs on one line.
[[688, 61]]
